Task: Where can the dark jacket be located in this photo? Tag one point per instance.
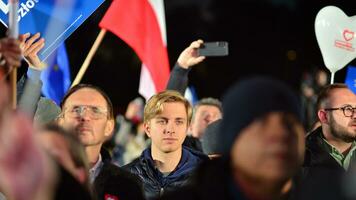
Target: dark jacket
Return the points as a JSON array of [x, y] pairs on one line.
[[213, 180], [193, 143], [113, 181], [321, 175], [68, 187], [154, 182]]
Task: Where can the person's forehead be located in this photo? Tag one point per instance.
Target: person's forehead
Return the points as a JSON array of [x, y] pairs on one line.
[[207, 108], [173, 109], [342, 96], [86, 96]]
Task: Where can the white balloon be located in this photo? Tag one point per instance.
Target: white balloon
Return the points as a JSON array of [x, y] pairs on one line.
[[335, 32]]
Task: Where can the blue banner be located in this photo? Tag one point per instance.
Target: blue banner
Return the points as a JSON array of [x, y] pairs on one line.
[[56, 20], [350, 80]]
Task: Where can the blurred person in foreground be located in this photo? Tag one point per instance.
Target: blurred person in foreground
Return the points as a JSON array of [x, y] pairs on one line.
[[10, 56], [66, 149], [26, 172], [263, 145]]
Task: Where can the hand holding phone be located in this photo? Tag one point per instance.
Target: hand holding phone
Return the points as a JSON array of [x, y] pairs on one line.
[[218, 48]]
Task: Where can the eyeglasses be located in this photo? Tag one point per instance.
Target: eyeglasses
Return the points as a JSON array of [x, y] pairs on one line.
[[94, 112], [347, 110]]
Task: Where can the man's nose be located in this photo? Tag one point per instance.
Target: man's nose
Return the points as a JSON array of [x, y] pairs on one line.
[[353, 116], [207, 117], [170, 128], [84, 114]]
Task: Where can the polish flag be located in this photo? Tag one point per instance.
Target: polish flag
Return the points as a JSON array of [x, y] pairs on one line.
[[141, 24]]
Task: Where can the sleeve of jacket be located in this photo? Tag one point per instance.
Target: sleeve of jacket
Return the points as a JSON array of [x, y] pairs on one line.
[[178, 79], [28, 94]]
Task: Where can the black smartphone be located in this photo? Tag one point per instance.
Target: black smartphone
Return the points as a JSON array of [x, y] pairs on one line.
[[219, 48]]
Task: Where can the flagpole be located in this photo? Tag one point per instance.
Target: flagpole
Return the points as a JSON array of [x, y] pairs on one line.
[[13, 33], [13, 80], [89, 57]]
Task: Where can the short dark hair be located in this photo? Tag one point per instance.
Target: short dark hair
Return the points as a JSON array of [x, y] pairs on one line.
[[208, 101], [324, 94], [96, 88]]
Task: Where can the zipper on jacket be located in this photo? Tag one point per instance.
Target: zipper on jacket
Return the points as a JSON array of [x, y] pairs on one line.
[[161, 191]]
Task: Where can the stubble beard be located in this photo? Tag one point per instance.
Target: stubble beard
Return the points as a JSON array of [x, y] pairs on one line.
[[341, 132]]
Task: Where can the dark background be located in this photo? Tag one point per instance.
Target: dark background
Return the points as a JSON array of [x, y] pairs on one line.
[[274, 37]]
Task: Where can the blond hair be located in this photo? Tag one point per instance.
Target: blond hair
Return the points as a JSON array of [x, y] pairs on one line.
[[154, 105]]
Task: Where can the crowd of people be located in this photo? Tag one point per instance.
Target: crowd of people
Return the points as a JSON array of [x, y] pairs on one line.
[[252, 144]]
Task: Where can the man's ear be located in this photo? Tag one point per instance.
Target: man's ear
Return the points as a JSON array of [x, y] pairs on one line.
[[60, 120], [109, 128], [190, 128], [147, 128], [323, 116]]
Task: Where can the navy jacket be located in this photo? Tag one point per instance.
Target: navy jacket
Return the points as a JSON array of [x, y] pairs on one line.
[[154, 182]]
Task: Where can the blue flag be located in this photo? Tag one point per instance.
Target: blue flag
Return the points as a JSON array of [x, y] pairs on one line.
[[56, 20], [56, 77], [191, 95], [350, 80]]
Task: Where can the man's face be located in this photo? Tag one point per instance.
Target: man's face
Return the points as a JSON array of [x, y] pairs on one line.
[[203, 116], [340, 126], [270, 148], [168, 129], [92, 124]]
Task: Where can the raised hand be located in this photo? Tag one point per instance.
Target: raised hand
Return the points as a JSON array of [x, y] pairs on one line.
[[189, 57], [30, 46]]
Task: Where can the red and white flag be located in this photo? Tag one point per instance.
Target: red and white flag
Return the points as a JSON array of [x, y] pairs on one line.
[[141, 24]]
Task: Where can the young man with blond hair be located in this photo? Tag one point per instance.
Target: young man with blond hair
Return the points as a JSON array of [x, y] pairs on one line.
[[166, 165]]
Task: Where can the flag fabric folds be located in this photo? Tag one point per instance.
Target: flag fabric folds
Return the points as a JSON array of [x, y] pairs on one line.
[[350, 79], [140, 24], [56, 77], [191, 95]]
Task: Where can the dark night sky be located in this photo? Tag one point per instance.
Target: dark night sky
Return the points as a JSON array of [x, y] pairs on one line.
[[260, 35]]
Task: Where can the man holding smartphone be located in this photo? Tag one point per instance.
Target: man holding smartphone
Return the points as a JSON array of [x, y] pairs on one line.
[[207, 110]]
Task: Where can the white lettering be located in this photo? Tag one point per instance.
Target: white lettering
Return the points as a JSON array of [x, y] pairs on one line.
[[30, 4], [21, 13], [25, 8], [4, 7]]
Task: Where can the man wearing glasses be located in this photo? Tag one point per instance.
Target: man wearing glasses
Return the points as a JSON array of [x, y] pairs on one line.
[[330, 149], [89, 111]]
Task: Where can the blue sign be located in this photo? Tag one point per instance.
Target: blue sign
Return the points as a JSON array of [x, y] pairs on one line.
[[350, 80], [56, 20]]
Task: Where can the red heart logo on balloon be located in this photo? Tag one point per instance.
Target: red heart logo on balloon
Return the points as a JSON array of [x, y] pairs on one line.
[[348, 35]]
